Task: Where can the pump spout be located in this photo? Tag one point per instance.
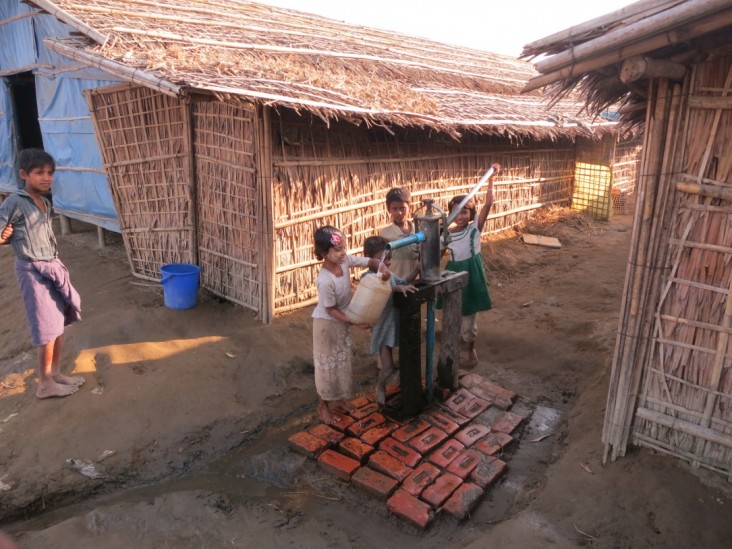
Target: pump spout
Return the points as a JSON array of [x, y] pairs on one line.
[[415, 238]]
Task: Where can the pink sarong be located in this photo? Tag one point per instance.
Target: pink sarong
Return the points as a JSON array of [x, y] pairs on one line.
[[51, 302]]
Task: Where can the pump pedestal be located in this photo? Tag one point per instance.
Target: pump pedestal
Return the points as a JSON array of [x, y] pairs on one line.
[[413, 396]]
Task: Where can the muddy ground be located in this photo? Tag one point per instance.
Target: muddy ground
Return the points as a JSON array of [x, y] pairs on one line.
[[185, 416]]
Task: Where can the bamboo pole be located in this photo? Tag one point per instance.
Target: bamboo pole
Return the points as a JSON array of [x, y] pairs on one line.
[[699, 28], [268, 274], [628, 34], [577, 31], [684, 427], [189, 169], [629, 322], [136, 76]]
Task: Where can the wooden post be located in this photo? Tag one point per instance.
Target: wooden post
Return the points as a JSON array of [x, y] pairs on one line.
[[410, 364], [641, 67], [448, 362], [100, 237], [410, 338], [65, 224]]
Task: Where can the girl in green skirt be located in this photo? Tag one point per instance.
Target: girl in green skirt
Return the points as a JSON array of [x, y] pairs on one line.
[[465, 255]]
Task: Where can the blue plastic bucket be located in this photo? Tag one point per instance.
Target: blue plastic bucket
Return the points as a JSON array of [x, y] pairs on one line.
[[180, 285]]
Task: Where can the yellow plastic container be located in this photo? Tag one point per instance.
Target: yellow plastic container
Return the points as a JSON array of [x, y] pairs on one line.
[[368, 300]]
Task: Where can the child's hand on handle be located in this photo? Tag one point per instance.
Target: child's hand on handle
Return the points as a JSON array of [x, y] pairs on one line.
[[384, 270], [405, 289], [496, 168], [6, 233]]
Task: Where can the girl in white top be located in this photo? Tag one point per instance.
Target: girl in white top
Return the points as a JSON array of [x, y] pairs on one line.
[[331, 327], [465, 255]]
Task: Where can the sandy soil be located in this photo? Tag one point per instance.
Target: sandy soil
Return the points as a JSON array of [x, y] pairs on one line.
[[185, 415]]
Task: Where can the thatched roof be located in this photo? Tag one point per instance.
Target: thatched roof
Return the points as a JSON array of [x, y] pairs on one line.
[[238, 49], [607, 59]]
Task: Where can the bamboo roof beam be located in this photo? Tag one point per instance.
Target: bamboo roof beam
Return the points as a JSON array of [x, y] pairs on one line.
[[641, 68], [703, 26], [70, 20], [618, 38], [136, 76], [588, 27]]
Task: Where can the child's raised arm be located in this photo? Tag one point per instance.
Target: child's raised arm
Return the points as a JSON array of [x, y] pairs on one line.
[[483, 214]]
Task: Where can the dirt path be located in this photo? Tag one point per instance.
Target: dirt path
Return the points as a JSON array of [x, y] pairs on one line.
[[196, 408]]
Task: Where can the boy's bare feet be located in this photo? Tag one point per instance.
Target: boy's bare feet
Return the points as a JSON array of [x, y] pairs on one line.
[[76, 381], [472, 359], [343, 406], [380, 395], [50, 389], [326, 416]]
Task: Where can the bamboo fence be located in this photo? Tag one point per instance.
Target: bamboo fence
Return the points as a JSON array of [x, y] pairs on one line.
[[240, 189], [671, 384], [228, 197], [339, 175], [145, 145]]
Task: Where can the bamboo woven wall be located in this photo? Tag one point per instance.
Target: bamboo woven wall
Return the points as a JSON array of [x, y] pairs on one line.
[[625, 165], [340, 174], [674, 348], [228, 201], [144, 138]]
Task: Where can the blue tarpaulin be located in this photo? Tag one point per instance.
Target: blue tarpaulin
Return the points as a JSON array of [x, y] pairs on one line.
[[80, 188]]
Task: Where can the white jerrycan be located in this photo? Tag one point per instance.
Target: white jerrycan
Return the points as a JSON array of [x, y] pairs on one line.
[[368, 300]]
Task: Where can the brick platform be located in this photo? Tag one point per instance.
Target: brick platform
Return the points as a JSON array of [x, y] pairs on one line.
[[445, 459]]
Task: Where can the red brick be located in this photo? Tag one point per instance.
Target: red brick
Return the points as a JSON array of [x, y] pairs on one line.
[[306, 444], [389, 465], [343, 422], [392, 390], [374, 482], [337, 464], [498, 391], [474, 408], [488, 471], [459, 399], [498, 402], [453, 416], [408, 507], [463, 465], [441, 422], [470, 380], [377, 434], [425, 442], [367, 410], [363, 425], [507, 423], [464, 500], [473, 432], [474, 383], [411, 429], [420, 478], [360, 401], [493, 443], [441, 489], [446, 453], [400, 451], [321, 430], [353, 447]]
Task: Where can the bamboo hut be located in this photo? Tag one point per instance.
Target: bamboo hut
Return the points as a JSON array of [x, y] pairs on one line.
[[239, 128], [669, 65]]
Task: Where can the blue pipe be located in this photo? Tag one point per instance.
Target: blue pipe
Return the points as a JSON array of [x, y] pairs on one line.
[[430, 351], [406, 241]]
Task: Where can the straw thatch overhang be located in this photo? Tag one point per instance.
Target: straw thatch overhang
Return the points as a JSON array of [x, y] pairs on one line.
[[608, 60], [244, 51]]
